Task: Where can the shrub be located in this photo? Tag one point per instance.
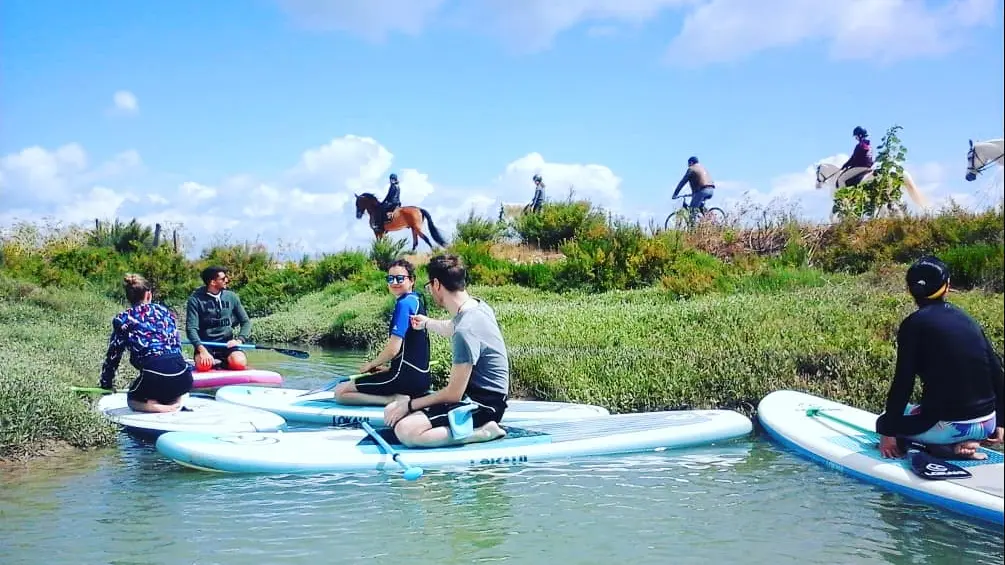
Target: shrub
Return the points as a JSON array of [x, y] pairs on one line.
[[557, 223], [476, 229]]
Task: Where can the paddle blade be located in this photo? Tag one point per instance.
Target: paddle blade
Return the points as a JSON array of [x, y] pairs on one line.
[[292, 352], [412, 473], [934, 469]]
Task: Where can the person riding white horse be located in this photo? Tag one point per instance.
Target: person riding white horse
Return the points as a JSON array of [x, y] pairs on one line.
[[983, 155], [832, 176]]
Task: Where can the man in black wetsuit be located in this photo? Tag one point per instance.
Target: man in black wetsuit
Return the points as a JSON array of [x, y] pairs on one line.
[[962, 400]]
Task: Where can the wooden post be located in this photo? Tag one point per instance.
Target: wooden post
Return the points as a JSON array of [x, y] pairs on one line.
[[157, 235], [174, 238], [97, 226]]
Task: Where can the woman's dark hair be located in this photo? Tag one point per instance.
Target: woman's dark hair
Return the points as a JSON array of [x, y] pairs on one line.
[[136, 287], [449, 270]]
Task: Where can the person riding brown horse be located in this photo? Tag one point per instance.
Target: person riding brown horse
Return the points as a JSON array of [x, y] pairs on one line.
[[403, 217]]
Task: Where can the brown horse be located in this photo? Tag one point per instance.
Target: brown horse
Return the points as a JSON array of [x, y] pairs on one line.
[[403, 217]]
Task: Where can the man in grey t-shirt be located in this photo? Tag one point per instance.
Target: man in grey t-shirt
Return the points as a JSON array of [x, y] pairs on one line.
[[479, 373]]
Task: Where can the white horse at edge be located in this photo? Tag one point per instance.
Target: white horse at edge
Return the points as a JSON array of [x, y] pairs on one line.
[[828, 176], [983, 155]]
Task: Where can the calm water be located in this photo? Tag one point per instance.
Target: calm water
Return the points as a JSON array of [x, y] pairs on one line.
[[746, 502]]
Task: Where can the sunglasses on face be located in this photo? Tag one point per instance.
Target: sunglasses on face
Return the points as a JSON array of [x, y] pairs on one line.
[[396, 279]]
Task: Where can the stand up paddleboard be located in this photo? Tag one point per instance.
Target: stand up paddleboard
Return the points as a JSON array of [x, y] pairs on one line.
[[295, 405], [344, 450], [825, 431], [199, 414], [217, 378]]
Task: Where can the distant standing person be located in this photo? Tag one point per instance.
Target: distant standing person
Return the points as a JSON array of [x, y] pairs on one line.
[[538, 200], [212, 312], [150, 333], [701, 183]]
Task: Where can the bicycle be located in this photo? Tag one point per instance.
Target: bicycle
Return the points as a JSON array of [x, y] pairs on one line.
[[683, 217]]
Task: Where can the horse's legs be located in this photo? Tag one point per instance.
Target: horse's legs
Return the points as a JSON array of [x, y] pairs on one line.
[[424, 238], [415, 239]]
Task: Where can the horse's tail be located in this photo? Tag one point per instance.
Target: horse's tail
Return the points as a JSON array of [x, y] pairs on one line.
[[913, 191], [432, 228]]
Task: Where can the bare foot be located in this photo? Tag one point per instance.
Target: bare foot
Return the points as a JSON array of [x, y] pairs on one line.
[[968, 450], [488, 432]]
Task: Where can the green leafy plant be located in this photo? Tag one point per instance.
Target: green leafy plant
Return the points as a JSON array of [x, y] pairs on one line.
[[883, 191]]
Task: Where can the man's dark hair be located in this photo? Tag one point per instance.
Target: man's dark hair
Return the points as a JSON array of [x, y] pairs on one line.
[[449, 270], [210, 273]]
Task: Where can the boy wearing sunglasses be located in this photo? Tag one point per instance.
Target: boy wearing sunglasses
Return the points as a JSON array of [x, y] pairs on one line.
[[406, 351]]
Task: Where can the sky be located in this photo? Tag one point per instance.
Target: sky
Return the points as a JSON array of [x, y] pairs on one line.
[[258, 120]]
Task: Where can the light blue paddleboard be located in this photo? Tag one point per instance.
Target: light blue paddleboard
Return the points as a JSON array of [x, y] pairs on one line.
[[784, 416], [334, 450]]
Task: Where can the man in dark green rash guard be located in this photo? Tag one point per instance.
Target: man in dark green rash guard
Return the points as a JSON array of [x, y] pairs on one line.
[[210, 316]]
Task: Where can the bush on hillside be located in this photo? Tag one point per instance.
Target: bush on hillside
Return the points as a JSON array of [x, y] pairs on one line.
[[557, 223], [477, 229]]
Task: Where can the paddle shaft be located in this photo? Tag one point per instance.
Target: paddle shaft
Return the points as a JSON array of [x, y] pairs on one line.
[[817, 412], [409, 473], [921, 455], [291, 352], [93, 390]]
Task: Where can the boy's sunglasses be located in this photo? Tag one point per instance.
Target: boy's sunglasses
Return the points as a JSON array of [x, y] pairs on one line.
[[396, 279]]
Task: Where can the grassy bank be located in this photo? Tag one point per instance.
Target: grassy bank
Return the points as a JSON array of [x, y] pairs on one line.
[[593, 309], [50, 339], [648, 350]]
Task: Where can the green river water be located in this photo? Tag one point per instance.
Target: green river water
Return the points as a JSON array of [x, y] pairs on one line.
[[745, 501]]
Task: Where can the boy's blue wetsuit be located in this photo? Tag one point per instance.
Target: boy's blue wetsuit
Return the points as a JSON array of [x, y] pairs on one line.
[[409, 369]]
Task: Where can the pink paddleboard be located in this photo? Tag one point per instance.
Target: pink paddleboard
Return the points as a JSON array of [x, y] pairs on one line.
[[218, 378]]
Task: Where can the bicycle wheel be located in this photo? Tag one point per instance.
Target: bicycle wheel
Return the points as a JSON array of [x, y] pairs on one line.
[[680, 220], [714, 216]]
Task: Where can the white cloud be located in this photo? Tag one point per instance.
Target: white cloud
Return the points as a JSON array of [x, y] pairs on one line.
[[309, 207], [713, 30], [193, 191], [883, 30], [125, 102], [533, 25], [596, 183]]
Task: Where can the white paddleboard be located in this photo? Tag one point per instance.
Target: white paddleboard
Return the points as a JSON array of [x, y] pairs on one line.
[[335, 450], [783, 415], [321, 407], [201, 414]]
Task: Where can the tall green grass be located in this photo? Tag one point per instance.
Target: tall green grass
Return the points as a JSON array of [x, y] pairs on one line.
[[50, 339], [650, 350]]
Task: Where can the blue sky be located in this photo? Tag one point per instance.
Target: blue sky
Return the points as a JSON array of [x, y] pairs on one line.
[[467, 100]]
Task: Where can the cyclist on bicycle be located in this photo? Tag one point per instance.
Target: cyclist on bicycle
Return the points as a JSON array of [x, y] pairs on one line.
[[701, 183]]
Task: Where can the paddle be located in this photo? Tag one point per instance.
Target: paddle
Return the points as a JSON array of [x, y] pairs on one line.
[[92, 390], [922, 463], [291, 352], [411, 472], [332, 384]]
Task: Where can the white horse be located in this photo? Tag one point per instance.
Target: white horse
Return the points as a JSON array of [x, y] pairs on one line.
[[831, 176], [982, 155]]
